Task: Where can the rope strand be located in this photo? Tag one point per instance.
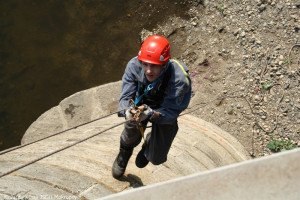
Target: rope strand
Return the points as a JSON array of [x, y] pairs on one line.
[[24, 145], [193, 75], [59, 150], [87, 138]]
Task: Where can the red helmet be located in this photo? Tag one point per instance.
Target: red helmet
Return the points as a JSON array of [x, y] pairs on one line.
[[155, 50]]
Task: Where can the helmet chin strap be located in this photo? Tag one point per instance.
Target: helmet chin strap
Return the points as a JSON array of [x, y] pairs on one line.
[[164, 68]]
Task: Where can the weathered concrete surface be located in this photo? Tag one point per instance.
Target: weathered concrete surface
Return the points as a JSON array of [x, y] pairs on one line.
[[84, 171], [74, 110], [272, 177]]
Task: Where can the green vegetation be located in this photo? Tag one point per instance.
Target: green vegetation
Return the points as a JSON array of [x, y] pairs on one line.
[[286, 62], [266, 86], [221, 7], [279, 145]]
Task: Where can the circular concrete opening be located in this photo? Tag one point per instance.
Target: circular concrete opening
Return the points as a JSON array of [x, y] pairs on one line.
[[84, 170]]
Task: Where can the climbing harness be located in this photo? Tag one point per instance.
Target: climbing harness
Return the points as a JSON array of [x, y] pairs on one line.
[[139, 124], [159, 86], [150, 86], [146, 91]]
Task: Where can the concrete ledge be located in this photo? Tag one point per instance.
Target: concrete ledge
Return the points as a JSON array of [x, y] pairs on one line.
[[273, 177], [76, 109], [84, 171]]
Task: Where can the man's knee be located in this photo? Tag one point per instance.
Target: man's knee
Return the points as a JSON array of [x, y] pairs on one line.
[[158, 161], [131, 135], [130, 142]]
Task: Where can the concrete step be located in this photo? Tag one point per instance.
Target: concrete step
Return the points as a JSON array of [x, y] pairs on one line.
[[85, 169]]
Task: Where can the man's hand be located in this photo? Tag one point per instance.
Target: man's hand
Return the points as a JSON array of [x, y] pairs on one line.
[[146, 113], [128, 114], [131, 114]]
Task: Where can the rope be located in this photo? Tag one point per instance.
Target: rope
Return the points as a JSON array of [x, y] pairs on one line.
[[59, 150], [87, 138], [24, 145], [193, 75]]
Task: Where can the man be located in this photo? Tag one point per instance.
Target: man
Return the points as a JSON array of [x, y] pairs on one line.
[[161, 90]]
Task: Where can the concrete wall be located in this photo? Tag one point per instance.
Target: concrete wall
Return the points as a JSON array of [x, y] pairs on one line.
[[273, 177]]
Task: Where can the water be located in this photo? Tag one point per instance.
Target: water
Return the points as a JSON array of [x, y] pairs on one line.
[[52, 49]]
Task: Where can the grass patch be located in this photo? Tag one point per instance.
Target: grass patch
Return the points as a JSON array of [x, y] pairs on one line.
[[266, 86], [279, 145]]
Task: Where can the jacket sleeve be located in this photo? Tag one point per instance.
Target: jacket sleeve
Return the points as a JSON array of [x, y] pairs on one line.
[[129, 85], [178, 95]]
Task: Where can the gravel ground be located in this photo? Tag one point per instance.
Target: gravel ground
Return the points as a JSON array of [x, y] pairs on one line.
[[244, 61]]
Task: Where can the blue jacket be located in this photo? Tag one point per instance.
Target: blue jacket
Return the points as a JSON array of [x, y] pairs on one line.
[[175, 98]]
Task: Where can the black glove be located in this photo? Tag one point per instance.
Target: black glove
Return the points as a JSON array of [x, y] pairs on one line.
[[147, 113], [128, 114]]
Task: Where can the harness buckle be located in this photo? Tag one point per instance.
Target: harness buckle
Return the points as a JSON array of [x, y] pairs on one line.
[[149, 87]]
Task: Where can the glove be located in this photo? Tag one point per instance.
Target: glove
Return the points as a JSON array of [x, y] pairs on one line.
[[147, 113], [128, 114]]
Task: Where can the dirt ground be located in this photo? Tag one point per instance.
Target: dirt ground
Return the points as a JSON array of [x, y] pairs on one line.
[[244, 63]]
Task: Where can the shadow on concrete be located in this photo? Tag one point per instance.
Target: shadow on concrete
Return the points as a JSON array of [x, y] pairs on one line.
[[133, 180]]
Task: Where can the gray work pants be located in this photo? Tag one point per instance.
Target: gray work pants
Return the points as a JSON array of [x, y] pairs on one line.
[[159, 140]]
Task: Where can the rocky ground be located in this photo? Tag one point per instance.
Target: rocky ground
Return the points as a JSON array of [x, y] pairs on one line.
[[244, 62]]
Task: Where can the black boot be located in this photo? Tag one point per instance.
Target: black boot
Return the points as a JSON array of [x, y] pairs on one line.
[[141, 161], [121, 161]]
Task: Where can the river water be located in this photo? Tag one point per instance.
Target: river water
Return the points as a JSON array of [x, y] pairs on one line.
[[52, 49]]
